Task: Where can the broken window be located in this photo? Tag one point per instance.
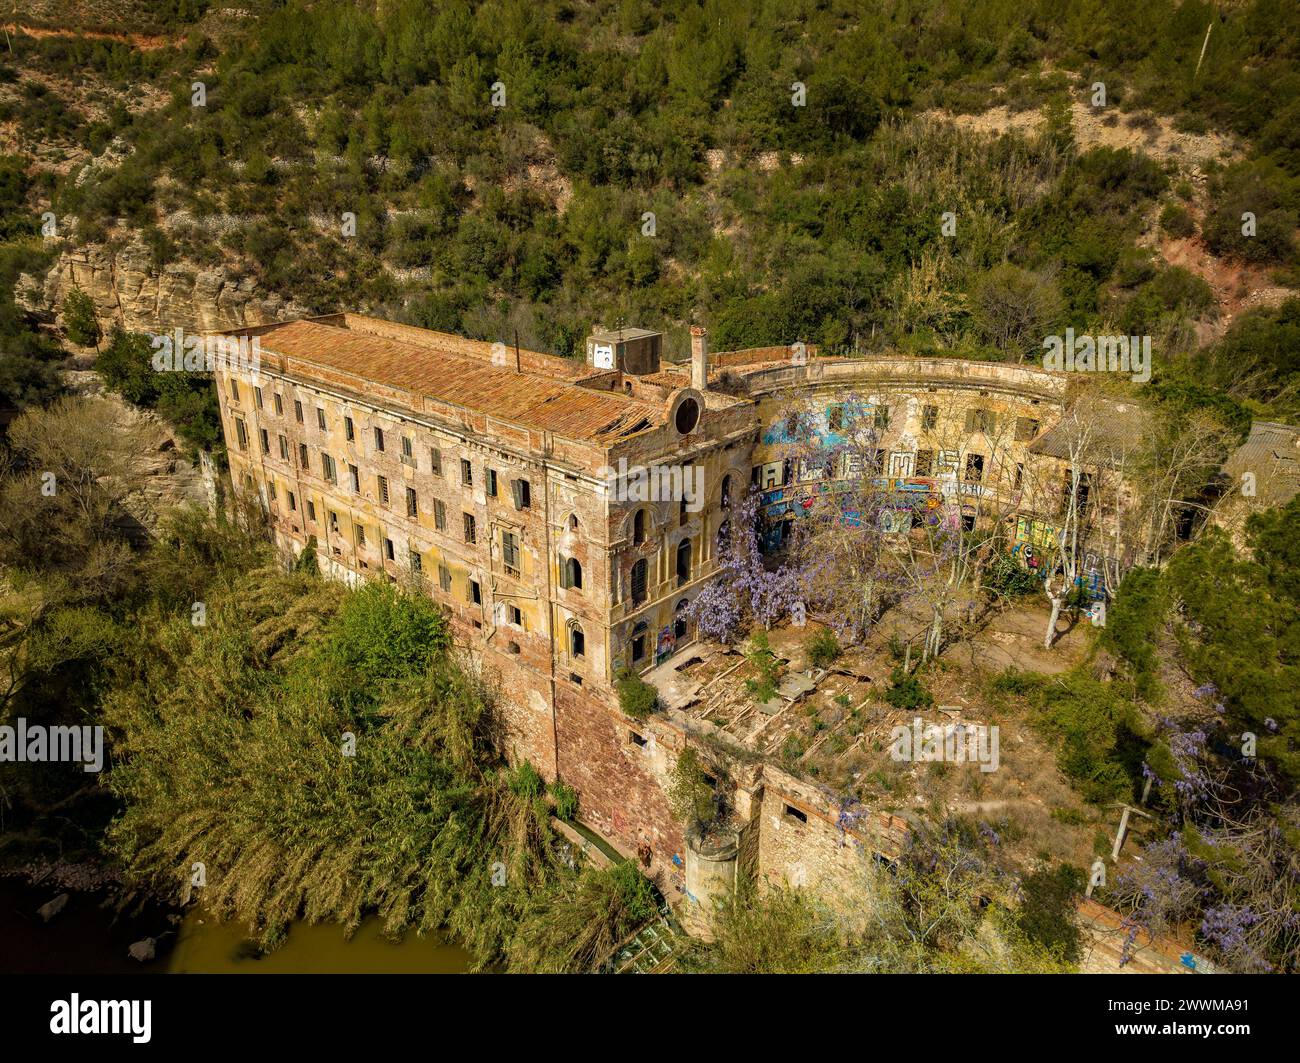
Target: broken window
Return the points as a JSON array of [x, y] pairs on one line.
[[640, 572], [925, 463], [980, 420], [796, 814], [466, 472], [475, 592], [383, 489], [435, 461], [297, 410], [408, 454], [412, 502], [348, 429], [725, 499], [439, 515], [684, 561], [389, 551], [522, 492], [444, 577], [1026, 428], [379, 439], [241, 433], [638, 641], [638, 527], [974, 468], [577, 641], [929, 417], [510, 552], [320, 419], [471, 534]]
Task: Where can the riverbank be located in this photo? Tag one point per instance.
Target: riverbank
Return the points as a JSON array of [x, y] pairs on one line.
[[87, 936]]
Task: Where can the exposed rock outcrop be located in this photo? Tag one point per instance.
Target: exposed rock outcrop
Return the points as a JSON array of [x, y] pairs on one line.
[[130, 291]]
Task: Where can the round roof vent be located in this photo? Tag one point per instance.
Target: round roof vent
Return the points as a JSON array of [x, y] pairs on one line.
[[687, 415]]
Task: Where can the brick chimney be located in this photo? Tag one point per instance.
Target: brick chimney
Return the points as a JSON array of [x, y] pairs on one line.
[[699, 357]]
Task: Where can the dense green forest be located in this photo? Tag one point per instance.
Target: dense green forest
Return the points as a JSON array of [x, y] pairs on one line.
[[771, 221]]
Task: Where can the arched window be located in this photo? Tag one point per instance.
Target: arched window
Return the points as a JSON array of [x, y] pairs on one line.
[[577, 640], [638, 641], [726, 491], [684, 561], [638, 527], [682, 515], [640, 572], [573, 522], [681, 624], [573, 573]]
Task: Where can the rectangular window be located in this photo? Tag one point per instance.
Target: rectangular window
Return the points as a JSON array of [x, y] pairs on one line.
[[510, 552], [388, 550], [293, 501], [978, 420], [383, 489], [444, 577], [379, 439], [408, 455], [974, 468], [284, 448], [796, 814], [241, 433], [439, 515], [311, 510], [354, 475], [1020, 476], [334, 522], [514, 615], [466, 473], [279, 404], [302, 456], [360, 533], [257, 397], [265, 437], [475, 592], [882, 417], [523, 493], [1026, 428], [412, 503], [929, 416], [925, 463], [835, 418], [417, 563], [435, 461], [348, 429], [471, 533], [492, 483], [297, 410], [320, 418], [327, 467], [234, 389]]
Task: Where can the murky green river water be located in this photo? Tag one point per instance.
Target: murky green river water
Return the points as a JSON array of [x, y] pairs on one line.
[[87, 939]]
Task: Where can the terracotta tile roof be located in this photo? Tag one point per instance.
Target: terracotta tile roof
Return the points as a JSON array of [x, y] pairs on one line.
[[459, 372]]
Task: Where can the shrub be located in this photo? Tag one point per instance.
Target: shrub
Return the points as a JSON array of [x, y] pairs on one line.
[[907, 691], [1177, 221], [822, 648], [636, 697], [1046, 912], [566, 801]]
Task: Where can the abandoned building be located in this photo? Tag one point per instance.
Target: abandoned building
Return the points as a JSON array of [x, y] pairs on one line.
[[483, 472]]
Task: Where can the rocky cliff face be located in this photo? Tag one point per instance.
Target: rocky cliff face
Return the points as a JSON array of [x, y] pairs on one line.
[[129, 291], [163, 478]]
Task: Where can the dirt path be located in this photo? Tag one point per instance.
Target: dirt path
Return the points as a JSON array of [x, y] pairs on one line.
[[144, 42]]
